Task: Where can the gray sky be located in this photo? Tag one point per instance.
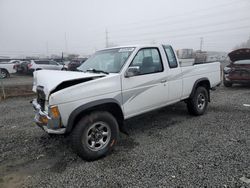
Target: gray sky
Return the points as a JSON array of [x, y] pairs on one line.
[[32, 27]]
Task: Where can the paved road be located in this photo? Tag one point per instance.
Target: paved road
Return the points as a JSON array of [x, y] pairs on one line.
[[167, 147]]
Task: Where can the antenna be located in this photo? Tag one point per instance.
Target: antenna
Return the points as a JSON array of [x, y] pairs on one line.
[[107, 38]]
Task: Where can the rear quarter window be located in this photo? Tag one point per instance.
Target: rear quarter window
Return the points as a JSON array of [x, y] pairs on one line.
[[172, 61]]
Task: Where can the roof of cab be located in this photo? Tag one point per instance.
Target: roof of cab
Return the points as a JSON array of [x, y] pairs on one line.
[[133, 46]]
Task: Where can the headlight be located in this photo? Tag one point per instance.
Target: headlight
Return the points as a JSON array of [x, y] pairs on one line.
[[55, 111], [227, 70]]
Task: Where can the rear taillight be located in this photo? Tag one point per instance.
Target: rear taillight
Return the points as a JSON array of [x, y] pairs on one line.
[[29, 65]]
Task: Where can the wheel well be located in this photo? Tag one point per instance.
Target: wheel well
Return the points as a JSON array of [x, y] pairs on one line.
[[3, 69], [112, 108], [202, 82]]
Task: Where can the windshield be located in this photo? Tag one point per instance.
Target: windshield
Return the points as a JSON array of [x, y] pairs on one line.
[[242, 62], [110, 61]]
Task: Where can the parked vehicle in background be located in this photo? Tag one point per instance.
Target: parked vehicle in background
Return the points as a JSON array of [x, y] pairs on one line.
[[7, 68], [116, 84], [75, 63], [238, 71], [62, 62], [22, 67], [35, 65]]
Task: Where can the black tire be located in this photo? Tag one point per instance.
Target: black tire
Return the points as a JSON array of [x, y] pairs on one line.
[[198, 103], [227, 84], [4, 73], [84, 135], [64, 69]]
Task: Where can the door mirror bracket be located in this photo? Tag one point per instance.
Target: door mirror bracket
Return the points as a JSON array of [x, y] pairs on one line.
[[132, 71]]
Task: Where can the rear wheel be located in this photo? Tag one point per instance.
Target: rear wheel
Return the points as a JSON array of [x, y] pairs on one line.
[[198, 103], [95, 135], [4, 73]]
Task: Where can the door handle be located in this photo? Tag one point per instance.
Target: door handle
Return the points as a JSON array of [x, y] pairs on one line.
[[163, 81]]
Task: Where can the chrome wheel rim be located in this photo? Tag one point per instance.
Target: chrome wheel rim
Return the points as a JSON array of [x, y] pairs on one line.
[[3, 74], [98, 136], [201, 101]]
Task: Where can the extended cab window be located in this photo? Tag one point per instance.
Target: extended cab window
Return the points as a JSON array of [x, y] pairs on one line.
[[148, 60], [170, 56]]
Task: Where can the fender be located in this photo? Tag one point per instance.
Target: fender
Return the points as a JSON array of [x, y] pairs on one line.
[[197, 82], [86, 106]]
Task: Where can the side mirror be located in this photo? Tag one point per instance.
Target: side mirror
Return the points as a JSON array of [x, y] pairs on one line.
[[132, 71]]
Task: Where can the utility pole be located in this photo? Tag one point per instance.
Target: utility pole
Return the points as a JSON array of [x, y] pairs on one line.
[[201, 43], [66, 42], [47, 48], [2, 85], [107, 38]]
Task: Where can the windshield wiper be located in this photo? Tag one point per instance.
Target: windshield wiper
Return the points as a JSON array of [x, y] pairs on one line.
[[96, 71]]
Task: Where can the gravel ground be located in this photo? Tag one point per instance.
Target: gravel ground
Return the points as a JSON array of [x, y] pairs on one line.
[[167, 147], [17, 80]]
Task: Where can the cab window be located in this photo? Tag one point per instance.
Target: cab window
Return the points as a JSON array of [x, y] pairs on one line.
[[148, 60]]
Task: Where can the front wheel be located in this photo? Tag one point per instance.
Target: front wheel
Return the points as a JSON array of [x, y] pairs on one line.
[[4, 73], [198, 103], [95, 135]]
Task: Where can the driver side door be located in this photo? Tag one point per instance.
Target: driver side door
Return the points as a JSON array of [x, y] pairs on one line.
[[148, 89]]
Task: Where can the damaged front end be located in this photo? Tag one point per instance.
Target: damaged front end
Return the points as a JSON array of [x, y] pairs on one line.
[[47, 117], [45, 84]]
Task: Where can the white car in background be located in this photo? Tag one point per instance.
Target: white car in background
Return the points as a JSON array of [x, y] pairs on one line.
[[35, 65], [7, 68]]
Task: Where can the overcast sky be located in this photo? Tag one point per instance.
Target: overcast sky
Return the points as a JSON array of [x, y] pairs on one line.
[[32, 27]]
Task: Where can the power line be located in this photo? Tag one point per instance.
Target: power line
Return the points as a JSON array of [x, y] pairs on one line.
[[188, 28], [185, 14], [192, 34]]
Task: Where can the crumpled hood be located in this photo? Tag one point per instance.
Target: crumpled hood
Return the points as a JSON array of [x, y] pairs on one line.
[[240, 54], [52, 80]]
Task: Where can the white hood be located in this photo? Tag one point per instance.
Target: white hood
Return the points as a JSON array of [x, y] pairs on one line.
[[50, 79]]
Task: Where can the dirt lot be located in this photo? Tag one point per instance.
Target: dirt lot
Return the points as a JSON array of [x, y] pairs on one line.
[[167, 148], [17, 85]]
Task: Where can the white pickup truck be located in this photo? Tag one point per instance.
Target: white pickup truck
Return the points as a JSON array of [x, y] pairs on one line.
[[113, 85], [7, 68]]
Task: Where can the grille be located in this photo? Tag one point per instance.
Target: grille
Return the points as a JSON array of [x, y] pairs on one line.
[[41, 97]]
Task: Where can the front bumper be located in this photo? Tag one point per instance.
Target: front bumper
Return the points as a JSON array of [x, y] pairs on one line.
[[227, 78], [45, 121]]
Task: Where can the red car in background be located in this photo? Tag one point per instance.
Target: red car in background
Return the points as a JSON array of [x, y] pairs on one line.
[[238, 71]]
